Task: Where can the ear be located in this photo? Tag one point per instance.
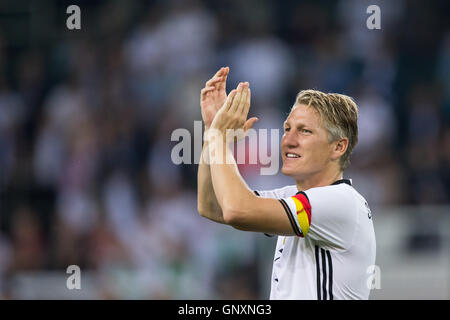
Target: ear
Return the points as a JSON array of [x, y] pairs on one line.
[[339, 148]]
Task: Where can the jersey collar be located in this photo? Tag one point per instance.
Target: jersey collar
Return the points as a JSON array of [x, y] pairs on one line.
[[346, 181]]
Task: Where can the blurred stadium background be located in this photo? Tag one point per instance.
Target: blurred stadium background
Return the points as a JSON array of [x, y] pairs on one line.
[[86, 117]]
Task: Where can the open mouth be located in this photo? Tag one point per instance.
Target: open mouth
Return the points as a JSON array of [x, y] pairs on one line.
[[290, 155]]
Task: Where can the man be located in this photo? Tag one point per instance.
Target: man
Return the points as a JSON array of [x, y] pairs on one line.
[[326, 240]]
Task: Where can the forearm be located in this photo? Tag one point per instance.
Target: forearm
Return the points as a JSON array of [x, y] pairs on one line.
[[241, 208], [233, 194], [208, 206]]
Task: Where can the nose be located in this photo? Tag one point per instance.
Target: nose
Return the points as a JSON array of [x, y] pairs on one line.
[[289, 140]]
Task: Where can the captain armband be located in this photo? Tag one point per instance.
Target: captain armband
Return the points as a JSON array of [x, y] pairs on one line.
[[298, 210]]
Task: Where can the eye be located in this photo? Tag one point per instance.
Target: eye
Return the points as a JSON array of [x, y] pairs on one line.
[[286, 129], [306, 131]]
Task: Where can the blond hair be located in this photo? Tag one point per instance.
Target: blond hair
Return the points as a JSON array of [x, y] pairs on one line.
[[339, 115]]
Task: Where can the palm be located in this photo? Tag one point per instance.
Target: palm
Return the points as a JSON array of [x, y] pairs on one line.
[[213, 95], [211, 104]]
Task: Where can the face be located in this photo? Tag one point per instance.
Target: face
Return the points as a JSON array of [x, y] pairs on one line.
[[305, 147]]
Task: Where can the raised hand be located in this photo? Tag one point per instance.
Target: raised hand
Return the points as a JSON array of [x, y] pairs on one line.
[[213, 95], [234, 112]]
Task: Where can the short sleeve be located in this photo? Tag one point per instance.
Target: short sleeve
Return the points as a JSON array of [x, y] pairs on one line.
[[275, 194], [264, 194], [278, 194], [325, 214]]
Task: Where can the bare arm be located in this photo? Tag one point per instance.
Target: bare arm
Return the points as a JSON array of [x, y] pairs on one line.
[[241, 208], [212, 97], [208, 206]]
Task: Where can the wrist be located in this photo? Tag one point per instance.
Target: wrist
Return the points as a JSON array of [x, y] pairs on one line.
[[213, 135]]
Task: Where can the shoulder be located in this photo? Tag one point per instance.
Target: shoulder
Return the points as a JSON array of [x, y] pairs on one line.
[[284, 192], [341, 198], [343, 191]]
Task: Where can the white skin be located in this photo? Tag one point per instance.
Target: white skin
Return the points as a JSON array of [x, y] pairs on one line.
[[212, 97], [230, 201], [318, 161]]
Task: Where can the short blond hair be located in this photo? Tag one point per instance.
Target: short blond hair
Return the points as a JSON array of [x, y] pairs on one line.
[[339, 114]]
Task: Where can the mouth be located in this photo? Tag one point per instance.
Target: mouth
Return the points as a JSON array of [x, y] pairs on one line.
[[291, 155]]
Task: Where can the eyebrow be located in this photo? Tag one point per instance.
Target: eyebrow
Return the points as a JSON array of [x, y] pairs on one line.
[[300, 125]]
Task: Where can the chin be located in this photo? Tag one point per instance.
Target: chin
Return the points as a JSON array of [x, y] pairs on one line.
[[288, 172], [291, 172]]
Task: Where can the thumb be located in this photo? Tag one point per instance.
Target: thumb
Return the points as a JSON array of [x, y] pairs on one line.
[[249, 123]]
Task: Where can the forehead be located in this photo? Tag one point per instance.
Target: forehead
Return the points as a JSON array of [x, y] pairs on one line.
[[302, 114]]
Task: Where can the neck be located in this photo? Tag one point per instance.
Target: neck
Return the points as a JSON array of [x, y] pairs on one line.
[[320, 179]]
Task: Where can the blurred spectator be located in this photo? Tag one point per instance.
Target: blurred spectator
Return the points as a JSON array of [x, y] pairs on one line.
[[86, 175], [28, 251]]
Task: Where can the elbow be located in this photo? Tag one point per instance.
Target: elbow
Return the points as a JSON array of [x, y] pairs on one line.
[[233, 216], [229, 217], [235, 219], [236, 213], [209, 212], [202, 207], [202, 210]]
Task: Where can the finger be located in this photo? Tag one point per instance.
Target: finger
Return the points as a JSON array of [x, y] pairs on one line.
[[205, 90], [246, 105], [250, 122], [217, 75], [237, 98], [219, 72], [223, 83], [243, 101], [213, 81], [243, 97], [229, 100]]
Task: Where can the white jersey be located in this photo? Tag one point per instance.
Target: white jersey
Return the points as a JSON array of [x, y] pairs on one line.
[[335, 247]]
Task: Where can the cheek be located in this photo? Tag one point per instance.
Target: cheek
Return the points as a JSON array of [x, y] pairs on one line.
[[318, 152]]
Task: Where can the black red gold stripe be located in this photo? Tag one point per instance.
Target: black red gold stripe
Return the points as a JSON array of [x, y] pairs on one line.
[[291, 219]]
